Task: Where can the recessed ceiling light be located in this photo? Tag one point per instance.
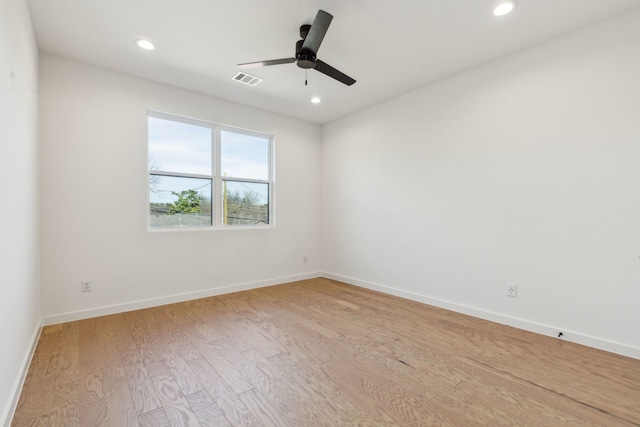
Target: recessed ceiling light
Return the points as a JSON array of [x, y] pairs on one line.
[[316, 100], [145, 44], [504, 8]]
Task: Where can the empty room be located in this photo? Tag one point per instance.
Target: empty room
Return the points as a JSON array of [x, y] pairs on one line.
[[320, 213]]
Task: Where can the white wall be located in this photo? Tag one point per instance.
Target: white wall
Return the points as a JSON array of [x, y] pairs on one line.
[[94, 224], [19, 241], [524, 171]]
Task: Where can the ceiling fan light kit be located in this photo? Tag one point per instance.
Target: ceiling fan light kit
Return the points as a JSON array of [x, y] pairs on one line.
[[307, 51]]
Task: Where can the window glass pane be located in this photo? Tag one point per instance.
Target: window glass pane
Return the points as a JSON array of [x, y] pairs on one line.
[[245, 203], [244, 156], [179, 147], [176, 201]]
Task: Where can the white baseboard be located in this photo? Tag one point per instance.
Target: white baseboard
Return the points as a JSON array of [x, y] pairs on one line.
[[12, 402], [526, 325], [549, 330], [171, 299]]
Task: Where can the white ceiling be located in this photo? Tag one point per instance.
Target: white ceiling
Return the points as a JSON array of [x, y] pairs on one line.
[[389, 47]]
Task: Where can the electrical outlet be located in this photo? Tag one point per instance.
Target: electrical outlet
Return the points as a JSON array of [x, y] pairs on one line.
[[86, 286], [512, 290]]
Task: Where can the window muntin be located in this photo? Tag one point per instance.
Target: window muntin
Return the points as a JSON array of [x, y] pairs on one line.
[[190, 162]]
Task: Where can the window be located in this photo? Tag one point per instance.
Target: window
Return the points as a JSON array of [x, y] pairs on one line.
[[207, 175]]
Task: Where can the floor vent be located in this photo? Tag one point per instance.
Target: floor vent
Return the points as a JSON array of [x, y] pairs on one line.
[[247, 79]]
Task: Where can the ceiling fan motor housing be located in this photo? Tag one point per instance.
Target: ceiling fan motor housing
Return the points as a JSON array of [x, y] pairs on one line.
[[304, 58]]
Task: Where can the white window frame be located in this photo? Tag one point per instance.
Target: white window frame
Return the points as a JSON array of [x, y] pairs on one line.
[[216, 179]]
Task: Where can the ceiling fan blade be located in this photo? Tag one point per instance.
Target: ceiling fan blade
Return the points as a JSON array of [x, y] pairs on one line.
[[317, 31], [267, 63], [327, 69]]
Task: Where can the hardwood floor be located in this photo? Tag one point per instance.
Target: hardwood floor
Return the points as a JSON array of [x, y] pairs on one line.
[[318, 353]]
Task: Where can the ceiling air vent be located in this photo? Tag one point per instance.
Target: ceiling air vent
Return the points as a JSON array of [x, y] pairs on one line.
[[247, 79]]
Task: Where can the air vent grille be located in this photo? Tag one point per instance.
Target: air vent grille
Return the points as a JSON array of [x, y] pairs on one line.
[[247, 79]]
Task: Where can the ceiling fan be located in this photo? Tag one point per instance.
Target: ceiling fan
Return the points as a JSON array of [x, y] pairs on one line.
[[307, 50]]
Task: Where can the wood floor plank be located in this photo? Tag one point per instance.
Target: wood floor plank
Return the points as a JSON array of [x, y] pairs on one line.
[[220, 356], [143, 394], [231, 406], [486, 389], [318, 353], [492, 343], [284, 341], [184, 376], [348, 354], [236, 301], [407, 408], [224, 367], [93, 406], [65, 411], [155, 418], [307, 381], [292, 392], [206, 410], [220, 322], [588, 384], [169, 335], [257, 333], [120, 408], [143, 335], [338, 405], [118, 403], [307, 340], [66, 400], [36, 398], [295, 315], [145, 397], [410, 363], [175, 405], [263, 409], [173, 351], [352, 384], [398, 370]]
